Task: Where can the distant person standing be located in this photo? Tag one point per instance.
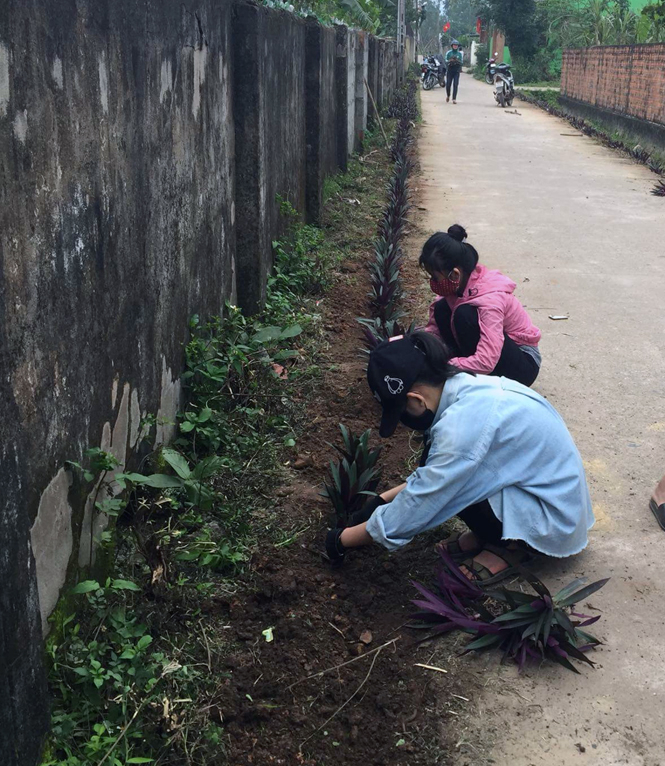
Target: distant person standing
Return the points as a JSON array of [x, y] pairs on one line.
[[454, 60]]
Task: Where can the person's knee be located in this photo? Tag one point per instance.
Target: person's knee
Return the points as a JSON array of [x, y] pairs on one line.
[[466, 316], [442, 313], [467, 329]]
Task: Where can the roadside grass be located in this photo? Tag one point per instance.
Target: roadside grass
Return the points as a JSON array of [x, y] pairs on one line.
[[548, 84]]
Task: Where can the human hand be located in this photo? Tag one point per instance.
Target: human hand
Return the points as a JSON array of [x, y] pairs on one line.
[[366, 511], [334, 548]]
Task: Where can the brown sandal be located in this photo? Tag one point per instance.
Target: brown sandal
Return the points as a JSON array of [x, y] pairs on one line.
[[514, 557], [453, 547]]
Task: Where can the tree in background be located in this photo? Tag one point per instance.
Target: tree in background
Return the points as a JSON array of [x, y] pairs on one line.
[[431, 24], [462, 16], [377, 16], [537, 32], [655, 12], [518, 20]]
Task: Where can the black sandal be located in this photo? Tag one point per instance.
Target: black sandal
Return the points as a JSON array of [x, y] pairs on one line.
[[453, 547], [658, 512], [514, 557]]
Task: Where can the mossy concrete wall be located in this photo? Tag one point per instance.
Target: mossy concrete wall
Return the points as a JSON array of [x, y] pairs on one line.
[[143, 144], [116, 224]]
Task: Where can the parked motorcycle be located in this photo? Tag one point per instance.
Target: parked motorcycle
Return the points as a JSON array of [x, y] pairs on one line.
[[504, 85], [490, 69], [441, 73], [431, 73]]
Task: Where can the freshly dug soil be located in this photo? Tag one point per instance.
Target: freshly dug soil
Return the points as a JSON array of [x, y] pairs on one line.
[[379, 708]]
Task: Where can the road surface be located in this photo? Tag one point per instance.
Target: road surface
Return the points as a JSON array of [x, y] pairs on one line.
[[575, 225]]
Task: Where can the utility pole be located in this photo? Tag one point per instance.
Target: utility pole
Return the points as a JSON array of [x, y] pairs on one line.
[[401, 25]]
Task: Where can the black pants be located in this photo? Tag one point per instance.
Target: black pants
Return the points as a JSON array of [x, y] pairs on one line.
[[452, 79], [513, 362], [480, 519]]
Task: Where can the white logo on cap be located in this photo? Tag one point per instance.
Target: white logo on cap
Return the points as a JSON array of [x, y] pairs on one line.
[[395, 385]]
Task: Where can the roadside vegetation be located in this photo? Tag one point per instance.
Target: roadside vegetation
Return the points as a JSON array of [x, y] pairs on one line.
[[376, 16], [550, 101], [132, 646], [537, 32]]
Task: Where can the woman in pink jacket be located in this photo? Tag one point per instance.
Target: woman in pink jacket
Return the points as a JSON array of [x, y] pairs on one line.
[[477, 315]]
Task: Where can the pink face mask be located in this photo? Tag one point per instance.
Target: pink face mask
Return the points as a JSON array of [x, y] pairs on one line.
[[446, 287]]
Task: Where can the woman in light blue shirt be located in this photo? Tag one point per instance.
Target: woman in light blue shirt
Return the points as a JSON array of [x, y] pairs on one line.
[[500, 457]]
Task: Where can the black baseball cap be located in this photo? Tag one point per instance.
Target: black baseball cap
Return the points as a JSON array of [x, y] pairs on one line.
[[394, 366]]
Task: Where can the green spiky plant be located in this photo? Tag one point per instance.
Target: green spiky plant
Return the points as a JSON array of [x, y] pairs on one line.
[[354, 477], [659, 189], [375, 331]]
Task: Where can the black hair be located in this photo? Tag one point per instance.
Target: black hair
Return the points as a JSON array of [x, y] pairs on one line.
[[437, 369], [444, 252]]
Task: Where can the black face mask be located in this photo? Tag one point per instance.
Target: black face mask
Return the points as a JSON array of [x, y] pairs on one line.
[[417, 422]]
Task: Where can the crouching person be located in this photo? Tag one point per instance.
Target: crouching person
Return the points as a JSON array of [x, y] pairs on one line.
[[501, 459]]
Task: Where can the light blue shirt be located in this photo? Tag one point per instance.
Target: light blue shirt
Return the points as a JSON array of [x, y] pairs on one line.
[[494, 439]]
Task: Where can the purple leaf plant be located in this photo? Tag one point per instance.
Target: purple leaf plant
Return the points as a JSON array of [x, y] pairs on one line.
[[522, 625]]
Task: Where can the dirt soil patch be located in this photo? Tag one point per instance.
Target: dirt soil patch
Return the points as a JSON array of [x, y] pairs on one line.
[[379, 708]]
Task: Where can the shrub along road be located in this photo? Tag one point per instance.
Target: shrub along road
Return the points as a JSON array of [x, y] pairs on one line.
[[575, 225]]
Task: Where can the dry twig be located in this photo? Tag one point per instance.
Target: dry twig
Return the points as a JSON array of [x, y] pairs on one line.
[[348, 662], [344, 704]]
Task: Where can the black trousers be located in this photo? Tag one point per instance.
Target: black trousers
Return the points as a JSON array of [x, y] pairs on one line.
[[513, 362], [452, 79], [480, 519]]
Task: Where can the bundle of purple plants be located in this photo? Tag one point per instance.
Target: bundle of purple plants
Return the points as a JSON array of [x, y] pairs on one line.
[[386, 286], [525, 626], [403, 104]]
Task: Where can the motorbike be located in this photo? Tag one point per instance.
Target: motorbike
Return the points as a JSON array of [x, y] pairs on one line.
[[490, 69], [431, 73], [504, 85]]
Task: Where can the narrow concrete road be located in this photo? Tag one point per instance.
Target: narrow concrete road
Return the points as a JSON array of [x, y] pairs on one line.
[[574, 224]]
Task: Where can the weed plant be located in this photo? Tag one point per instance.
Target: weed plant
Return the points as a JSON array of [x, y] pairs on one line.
[[130, 656]]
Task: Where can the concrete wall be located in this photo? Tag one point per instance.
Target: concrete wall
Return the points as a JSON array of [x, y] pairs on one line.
[[116, 224], [320, 113], [362, 58], [142, 146], [626, 79], [388, 69], [269, 109], [372, 76], [351, 53]]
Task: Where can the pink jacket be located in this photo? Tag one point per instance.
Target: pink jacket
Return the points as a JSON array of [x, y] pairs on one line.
[[499, 312]]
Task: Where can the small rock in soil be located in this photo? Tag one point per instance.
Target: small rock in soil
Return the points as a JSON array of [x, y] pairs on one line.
[[366, 637], [303, 461]]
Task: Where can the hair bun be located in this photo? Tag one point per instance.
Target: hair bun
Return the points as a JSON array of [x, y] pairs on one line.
[[457, 232]]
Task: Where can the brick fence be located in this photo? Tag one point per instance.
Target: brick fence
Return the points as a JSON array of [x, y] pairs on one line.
[[627, 79]]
